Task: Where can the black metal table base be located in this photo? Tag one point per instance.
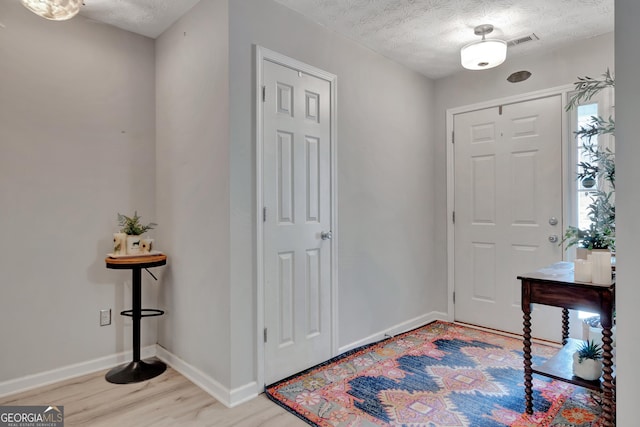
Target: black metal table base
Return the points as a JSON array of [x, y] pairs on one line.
[[135, 372]]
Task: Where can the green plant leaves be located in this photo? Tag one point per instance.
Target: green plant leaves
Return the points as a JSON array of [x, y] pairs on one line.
[[589, 350], [132, 226], [600, 169]]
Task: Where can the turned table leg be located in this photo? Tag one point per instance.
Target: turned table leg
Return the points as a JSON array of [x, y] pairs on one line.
[[607, 377], [528, 374], [565, 326]]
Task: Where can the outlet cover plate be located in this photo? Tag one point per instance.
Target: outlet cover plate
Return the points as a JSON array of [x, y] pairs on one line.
[[105, 317]]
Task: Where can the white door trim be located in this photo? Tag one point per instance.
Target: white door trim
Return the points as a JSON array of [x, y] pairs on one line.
[[267, 54], [563, 91]]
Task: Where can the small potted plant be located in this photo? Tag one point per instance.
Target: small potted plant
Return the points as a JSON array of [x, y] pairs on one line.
[[587, 361], [132, 227], [590, 239]]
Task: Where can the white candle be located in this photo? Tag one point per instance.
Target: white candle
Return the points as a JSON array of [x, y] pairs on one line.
[[601, 268], [119, 243], [582, 270]]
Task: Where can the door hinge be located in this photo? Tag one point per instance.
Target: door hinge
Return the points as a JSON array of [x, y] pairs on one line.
[[265, 334], [264, 214], [500, 110], [453, 217], [454, 297], [453, 137], [264, 93]]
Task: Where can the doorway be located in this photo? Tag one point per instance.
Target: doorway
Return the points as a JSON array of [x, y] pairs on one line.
[[297, 214], [508, 207]]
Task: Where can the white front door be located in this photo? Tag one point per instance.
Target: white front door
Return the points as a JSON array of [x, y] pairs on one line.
[[297, 200], [508, 203]]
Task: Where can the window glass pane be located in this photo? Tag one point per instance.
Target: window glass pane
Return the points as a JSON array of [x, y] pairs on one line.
[[585, 113], [584, 200], [585, 314]]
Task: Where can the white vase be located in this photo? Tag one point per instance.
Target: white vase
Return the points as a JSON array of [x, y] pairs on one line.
[[133, 245], [588, 369], [582, 270], [601, 268], [583, 253]]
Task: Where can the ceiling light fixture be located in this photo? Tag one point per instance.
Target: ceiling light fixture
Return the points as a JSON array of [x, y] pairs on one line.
[[485, 53], [55, 10]]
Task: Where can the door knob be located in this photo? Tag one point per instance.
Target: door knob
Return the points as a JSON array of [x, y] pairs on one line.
[[326, 235], [553, 238], [553, 221]]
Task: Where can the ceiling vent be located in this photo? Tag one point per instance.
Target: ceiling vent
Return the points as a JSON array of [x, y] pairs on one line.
[[516, 42]]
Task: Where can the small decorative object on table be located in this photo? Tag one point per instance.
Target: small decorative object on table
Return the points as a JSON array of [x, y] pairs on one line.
[[146, 246], [587, 361], [132, 227], [601, 268], [582, 270], [119, 244]]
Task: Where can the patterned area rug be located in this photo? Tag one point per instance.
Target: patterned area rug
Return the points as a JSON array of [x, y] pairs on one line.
[[435, 376]]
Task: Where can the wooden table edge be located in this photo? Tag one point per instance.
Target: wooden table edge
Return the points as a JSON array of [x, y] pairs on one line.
[[141, 261]]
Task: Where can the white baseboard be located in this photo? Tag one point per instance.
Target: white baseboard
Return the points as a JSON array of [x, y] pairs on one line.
[[397, 329], [71, 371], [229, 398], [244, 394], [222, 394], [195, 375]]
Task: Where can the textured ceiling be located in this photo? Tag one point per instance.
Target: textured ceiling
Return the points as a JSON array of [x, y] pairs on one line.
[[425, 35], [147, 17]]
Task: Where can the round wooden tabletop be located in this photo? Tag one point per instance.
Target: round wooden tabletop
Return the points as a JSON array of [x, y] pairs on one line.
[[143, 261]]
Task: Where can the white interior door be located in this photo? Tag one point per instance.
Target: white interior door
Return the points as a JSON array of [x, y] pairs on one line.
[[297, 200], [508, 203]]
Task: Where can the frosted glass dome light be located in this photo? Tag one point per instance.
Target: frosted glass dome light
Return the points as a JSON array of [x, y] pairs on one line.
[[485, 53], [55, 10]]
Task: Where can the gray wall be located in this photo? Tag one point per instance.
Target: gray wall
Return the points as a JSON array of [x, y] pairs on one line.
[[386, 181], [627, 207], [77, 145], [193, 187], [550, 69]]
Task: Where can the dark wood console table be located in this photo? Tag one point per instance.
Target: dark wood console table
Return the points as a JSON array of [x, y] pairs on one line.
[[137, 370], [555, 286]]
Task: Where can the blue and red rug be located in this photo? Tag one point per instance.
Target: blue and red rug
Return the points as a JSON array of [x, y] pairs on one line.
[[435, 376]]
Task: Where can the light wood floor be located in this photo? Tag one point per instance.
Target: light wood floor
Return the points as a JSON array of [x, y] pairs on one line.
[[169, 400]]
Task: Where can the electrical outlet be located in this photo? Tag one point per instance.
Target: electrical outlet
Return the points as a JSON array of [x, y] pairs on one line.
[[105, 317]]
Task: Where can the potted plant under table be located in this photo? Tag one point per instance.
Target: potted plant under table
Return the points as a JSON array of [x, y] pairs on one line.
[[587, 361]]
